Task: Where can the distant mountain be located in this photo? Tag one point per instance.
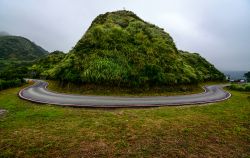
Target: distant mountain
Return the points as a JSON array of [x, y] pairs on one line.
[[19, 48], [235, 75], [121, 49]]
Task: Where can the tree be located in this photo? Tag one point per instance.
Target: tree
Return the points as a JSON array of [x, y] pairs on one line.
[[247, 75]]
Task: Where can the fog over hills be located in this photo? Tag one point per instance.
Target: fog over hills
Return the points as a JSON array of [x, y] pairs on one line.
[[218, 30], [3, 33]]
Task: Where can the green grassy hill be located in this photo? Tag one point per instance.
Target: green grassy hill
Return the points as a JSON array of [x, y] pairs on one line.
[[19, 48], [121, 49]]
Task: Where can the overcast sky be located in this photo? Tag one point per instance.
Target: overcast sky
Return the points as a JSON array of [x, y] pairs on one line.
[[219, 30]]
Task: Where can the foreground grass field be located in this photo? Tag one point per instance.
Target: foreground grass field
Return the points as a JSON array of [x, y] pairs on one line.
[[37, 130]]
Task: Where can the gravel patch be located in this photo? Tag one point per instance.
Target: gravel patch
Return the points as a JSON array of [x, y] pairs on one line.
[[2, 111]]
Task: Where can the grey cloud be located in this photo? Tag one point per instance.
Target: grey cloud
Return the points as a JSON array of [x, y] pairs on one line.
[[218, 30]]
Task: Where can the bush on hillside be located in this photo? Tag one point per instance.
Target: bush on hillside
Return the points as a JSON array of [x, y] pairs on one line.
[[10, 83]]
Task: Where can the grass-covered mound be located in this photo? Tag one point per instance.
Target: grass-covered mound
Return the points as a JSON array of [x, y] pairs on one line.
[[120, 49]]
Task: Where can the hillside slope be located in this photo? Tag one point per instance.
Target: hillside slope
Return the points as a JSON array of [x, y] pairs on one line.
[[16, 55], [39, 68], [19, 48], [121, 49]]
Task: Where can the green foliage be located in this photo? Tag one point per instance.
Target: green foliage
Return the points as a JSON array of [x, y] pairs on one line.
[[240, 87], [19, 48], [16, 55], [12, 76], [202, 70], [120, 49], [40, 67], [6, 65], [247, 75], [4, 84], [104, 70]]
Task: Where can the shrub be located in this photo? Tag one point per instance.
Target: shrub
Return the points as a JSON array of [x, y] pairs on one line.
[[10, 83], [242, 87]]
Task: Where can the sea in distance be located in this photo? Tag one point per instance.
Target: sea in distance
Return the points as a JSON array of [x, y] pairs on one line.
[[235, 75]]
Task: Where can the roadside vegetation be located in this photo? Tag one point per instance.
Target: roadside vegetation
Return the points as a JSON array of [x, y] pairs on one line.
[[10, 83], [240, 87], [12, 76], [91, 89], [38, 130]]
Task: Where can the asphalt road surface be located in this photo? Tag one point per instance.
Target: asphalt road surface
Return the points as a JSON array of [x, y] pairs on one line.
[[40, 94]]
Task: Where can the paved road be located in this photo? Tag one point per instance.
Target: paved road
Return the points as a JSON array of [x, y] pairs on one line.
[[40, 94]]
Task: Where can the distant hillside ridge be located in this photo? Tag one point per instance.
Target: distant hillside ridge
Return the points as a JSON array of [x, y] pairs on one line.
[[121, 49], [19, 48]]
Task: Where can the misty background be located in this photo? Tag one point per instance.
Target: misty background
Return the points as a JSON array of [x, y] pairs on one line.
[[218, 30]]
